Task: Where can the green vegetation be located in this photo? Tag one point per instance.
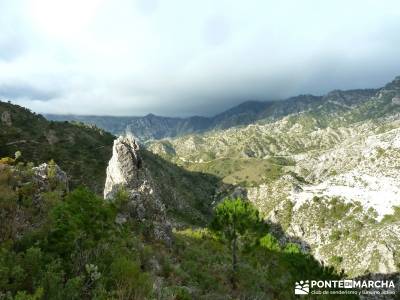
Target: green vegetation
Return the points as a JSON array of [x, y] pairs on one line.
[[187, 194], [395, 217], [80, 150], [57, 245], [234, 219], [243, 171]]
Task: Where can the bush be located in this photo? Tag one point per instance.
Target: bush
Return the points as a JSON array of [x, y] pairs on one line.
[[269, 242], [79, 222], [128, 280]]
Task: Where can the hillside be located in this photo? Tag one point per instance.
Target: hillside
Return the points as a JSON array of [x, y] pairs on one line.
[[62, 242], [81, 150], [328, 174], [84, 151]]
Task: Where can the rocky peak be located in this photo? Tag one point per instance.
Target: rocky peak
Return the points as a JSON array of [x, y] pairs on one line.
[[124, 167], [126, 172]]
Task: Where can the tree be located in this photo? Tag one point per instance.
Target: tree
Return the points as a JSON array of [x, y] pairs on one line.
[[233, 219]]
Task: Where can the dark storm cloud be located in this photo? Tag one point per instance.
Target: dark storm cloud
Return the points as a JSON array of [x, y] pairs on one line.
[[18, 91], [190, 57]]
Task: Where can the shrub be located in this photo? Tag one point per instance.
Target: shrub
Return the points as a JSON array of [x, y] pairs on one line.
[[269, 242], [128, 279]]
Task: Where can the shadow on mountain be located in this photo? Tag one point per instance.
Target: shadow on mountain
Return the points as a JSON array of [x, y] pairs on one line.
[[188, 196]]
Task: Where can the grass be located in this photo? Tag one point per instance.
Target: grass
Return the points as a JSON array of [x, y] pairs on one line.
[[244, 171]]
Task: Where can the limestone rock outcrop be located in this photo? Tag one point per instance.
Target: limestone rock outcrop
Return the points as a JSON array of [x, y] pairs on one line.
[[48, 176], [6, 118], [126, 172]]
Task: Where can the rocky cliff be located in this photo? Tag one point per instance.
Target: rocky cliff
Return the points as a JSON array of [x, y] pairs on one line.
[[127, 173]]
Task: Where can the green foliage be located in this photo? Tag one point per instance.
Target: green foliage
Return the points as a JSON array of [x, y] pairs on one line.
[[292, 248], [74, 252], [79, 221], [395, 217], [81, 151], [187, 194], [129, 280], [336, 260], [262, 272], [73, 249], [57, 246], [336, 235], [270, 242], [246, 171], [234, 218]]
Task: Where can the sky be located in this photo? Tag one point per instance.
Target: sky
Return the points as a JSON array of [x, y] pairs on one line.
[[190, 57]]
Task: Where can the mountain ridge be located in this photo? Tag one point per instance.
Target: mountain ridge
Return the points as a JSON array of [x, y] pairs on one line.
[[151, 126]]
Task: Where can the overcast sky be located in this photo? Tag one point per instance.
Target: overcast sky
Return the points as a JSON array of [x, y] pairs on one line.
[[186, 57]]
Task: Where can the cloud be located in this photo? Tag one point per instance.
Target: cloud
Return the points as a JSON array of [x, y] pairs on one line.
[[190, 57], [21, 91]]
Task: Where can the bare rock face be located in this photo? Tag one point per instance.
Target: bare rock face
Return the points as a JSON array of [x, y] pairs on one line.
[[6, 118], [396, 100], [127, 172], [49, 175]]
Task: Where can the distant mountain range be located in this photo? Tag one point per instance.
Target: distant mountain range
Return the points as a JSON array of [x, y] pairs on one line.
[[152, 127], [326, 169]]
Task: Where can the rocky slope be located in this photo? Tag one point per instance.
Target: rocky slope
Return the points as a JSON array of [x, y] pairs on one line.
[[328, 174]]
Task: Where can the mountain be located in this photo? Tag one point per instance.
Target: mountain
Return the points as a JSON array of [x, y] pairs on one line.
[[326, 170], [152, 127], [59, 240], [145, 128]]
